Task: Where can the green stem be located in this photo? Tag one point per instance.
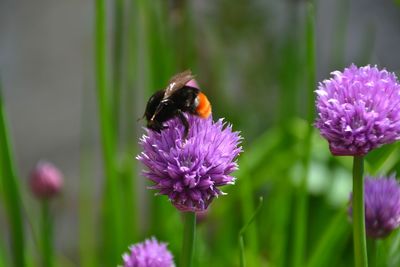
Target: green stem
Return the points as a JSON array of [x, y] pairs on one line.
[[12, 195], [47, 235], [359, 238], [372, 252], [301, 214], [242, 253], [189, 235], [3, 260], [340, 33], [332, 241], [310, 60], [87, 218], [127, 181], [112, 214], [117, 62], [301, 222], [246, 195]]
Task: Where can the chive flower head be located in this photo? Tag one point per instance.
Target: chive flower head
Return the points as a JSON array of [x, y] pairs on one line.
[[190, 170], [358, 110], [150, 253]]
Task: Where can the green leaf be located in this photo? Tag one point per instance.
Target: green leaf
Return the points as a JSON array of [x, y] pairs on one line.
[[256, 153], [113, 232], [336, 234], [12, 195], [393, 258], [243, 230], [377, 157]]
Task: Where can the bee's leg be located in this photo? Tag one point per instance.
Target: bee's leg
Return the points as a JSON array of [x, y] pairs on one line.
[[184, 122]]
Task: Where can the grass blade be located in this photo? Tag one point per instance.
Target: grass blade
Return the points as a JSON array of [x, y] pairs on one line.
[[112, 216], [302, 194], [3, 262], [12, 195], [243, 230], [336, 234], [118, 49], [87, 233], [378, 157]]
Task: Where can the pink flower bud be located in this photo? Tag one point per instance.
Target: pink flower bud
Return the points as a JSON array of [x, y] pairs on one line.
[[46, 180]]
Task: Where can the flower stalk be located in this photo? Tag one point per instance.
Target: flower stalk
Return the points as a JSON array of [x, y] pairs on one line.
[[372, 251], [189, 236], [47, 235], [359, 237]]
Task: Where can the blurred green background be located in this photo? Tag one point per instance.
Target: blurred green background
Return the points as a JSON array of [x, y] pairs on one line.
[[259, 70]]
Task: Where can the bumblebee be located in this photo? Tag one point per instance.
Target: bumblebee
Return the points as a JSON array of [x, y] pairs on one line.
[[176, 99]]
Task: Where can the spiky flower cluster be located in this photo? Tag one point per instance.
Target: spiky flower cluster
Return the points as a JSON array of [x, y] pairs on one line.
[[359, 110], [190, 171], [150, 253], [382, 206]]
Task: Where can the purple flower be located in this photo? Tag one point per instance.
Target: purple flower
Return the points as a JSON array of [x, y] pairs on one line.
[[359, 110], [189, 171], [46, 180], [150, 253], [382, 206]]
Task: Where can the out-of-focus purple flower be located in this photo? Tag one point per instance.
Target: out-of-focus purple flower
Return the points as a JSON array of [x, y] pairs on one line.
[[150, 253], [359, 110], [46, 180], [189, 171], [382, 206], [193, 83]]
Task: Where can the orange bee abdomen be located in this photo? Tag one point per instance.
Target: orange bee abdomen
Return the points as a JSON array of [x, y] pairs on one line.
[[203, 109]]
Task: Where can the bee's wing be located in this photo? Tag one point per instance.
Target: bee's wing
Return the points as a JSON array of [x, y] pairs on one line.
[[177, 82]]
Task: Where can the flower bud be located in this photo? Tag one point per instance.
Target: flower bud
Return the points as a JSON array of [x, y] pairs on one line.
[[46, 180]]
